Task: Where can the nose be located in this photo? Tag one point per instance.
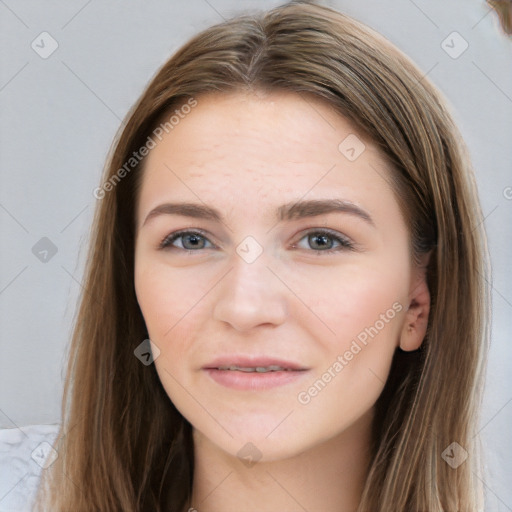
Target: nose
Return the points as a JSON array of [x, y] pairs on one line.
[[250, 295]]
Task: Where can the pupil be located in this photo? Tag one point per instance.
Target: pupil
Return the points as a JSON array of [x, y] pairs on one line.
[[323, 238], [193, 239]]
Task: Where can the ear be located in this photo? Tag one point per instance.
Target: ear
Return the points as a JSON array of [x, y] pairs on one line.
[[416, 317]]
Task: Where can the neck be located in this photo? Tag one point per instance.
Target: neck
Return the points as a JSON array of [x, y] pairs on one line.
[[328, 477]]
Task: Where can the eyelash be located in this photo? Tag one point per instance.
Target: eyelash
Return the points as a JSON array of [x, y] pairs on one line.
[[344, 243]]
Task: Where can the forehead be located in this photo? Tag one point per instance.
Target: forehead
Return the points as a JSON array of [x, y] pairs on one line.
[[244, 145]]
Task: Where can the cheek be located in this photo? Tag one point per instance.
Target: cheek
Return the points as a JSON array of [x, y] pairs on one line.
[[167, 299], [168, 304], [365, 308], [341, 304], [369, 309], [172, 306]]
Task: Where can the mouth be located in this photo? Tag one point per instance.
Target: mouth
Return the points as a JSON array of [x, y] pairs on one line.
[[257, 369], [254, 374]]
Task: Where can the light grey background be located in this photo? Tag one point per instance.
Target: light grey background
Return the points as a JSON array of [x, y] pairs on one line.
[[61, 113]]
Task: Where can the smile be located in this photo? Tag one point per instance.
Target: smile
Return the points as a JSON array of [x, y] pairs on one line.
[[258, 369]]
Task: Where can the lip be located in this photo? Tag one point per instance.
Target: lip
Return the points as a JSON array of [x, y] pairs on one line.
[[253, 362], [240, 380]]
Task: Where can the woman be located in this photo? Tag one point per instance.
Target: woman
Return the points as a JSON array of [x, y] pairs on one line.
[[288, 228]]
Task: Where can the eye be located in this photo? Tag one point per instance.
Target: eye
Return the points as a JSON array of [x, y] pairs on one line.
[[319, 240], [189, 241], [326, 241]]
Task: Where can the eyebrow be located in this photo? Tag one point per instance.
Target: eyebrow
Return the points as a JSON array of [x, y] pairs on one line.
[[286, 212]]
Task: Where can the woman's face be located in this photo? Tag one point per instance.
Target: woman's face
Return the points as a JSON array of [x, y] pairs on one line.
[[278, 293]]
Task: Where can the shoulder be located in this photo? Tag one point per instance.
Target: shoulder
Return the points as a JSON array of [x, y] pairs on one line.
[[24, 453]]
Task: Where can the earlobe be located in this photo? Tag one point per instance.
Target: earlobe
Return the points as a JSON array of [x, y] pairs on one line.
[[416, 318]]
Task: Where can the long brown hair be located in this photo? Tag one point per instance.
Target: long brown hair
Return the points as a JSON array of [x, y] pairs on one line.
[[122, 444]]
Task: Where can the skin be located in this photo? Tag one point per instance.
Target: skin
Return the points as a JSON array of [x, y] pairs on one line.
[[246, 154]]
